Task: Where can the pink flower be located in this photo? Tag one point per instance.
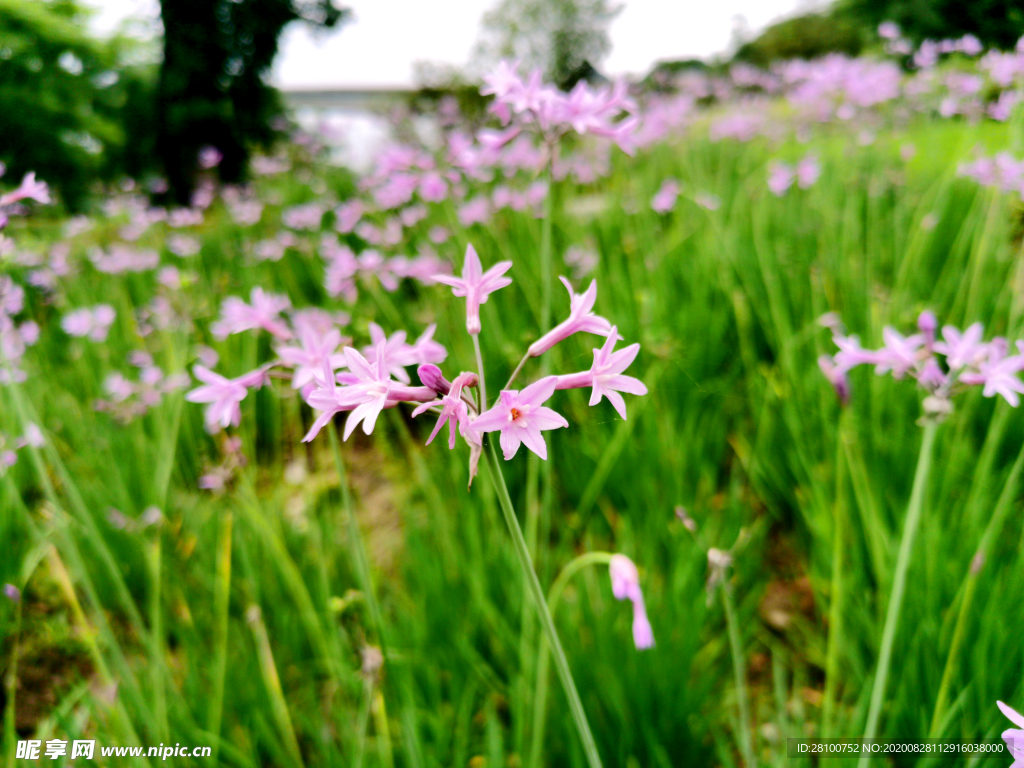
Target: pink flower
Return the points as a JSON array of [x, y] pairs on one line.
[[665, 200], [340, 274], [1014, 737], [502, 81], [605, 376], [347, 215], [851, 353], [476, 211], [626, 586], [425, 350], [367, 395], [431, 376], [30, 189], [900, 353], [889, 30], [780, 178], [581, 319], [807, 172], [237, 316], [94, 323], [306, 216], [223, 395], [433, 188], [185, 217], [836, 376], [521, 417], [369, 390], [183, 245], [999, 374], [476, 285], [454, 411], [315, 350], [209, 157], [964, 349], [396, 353]]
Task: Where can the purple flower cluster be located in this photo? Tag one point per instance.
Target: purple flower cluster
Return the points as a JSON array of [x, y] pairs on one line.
[[14, 336], [333, 377], [781, 176], [966, 360], [531, 104], [1002, 171], [128, 399], [91, 322]]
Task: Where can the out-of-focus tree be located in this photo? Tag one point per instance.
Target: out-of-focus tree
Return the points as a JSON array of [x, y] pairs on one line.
[[805, 37], [998, 23], [213, 89], [564, 38], [64, 97]]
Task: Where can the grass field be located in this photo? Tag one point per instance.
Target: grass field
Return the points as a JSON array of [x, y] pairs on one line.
[[241, 618]]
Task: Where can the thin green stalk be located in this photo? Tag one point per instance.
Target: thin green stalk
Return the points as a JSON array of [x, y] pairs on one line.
[[515, 373], [537, 594], [278, 704], [835, 614], [740, 671], [992, 530], [361, 565], [156, 636], [899, 583], [221, 604], [480, 372], [527, 634], [543, 655], [326, 643], [534, 497], [355, 536], [380, 723], [11, 687], [545, 252], [362, 723]]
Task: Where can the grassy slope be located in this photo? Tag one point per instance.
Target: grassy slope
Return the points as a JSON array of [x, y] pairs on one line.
[[740, 428]]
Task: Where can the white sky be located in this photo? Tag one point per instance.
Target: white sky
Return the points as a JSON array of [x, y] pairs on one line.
[[387, 37]]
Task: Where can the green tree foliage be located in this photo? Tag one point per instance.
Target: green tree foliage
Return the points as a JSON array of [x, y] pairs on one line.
[[65, 96], [565, 38], [805, 37], [998, 23], [213, 90]]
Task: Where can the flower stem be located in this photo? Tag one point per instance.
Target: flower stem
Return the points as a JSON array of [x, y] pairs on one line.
[[537, 594], [515, 373], [221, 603], [362, 568], [1003, 507], [11, 687], [272, 682], [545, 250], [156, 635], [358, 550], [899, 584], [543, 656], [362, 723], [835, 614], [740, 671], [480, 372]]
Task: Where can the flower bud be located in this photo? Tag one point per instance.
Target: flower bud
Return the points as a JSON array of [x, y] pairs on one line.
[[431, 376]]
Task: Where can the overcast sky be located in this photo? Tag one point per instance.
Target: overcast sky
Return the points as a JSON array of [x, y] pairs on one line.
[[386, 37]]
